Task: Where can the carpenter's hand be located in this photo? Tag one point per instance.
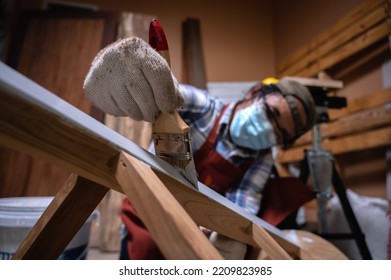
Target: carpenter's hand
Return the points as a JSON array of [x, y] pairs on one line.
[[229, 248], [129, 78]]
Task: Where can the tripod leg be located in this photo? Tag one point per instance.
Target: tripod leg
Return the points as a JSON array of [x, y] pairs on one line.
[[350, 217]]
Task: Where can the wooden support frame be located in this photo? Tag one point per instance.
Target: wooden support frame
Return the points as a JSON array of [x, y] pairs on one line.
[[64, 217], [178, 236], [39, 123]]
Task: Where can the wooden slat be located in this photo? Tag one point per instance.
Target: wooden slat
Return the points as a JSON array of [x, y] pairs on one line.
[[193, 59], [362, 59], [54, 140], [314, 247], [340, 26], [372, 100], [224, 220], [355, 123], [36, 127], [352, 47], [63, 218], [357, 142], [171, 227], [330, 40], [367, 140], [269, 245]]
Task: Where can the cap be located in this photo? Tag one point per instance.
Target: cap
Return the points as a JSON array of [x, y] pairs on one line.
[[290, 89]]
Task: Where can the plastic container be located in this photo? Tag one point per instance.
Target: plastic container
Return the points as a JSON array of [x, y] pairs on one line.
[[19, 214]]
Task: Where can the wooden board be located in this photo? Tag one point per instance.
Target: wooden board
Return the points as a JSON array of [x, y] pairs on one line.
[[361, 141], [361, 28], [54, 50], [41, 124], [193, 59], [170, 225], [354, 123], [63, 218], [340, 26]]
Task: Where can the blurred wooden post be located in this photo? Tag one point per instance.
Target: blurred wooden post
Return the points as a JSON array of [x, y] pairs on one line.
[[106, 234], [193, 60]]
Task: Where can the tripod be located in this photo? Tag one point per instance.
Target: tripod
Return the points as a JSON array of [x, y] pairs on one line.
[[319, 163]]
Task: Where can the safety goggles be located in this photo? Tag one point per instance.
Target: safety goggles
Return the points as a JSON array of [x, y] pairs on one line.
[[281, 133]]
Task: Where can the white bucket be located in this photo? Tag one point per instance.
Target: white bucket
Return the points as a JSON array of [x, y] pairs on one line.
[[19, 214]]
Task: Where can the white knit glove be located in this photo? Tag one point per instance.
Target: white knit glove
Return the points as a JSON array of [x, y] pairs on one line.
[[129, 78], [229, 248]]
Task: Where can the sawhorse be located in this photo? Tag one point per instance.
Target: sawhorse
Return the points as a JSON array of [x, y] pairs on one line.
[[37, 122]]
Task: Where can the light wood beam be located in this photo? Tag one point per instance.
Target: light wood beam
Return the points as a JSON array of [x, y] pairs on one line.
[[361, 141]]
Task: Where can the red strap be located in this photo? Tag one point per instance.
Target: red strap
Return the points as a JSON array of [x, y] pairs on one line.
[[282, 196]]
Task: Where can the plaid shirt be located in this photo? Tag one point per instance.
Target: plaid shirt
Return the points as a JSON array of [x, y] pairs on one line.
[[200, 112]]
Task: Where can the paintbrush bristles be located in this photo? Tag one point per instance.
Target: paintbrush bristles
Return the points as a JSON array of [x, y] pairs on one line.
[[175, 148], [189, 172], [186, 167]]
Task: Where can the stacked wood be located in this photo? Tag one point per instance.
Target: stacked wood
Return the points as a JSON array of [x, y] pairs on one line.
[[361, 28], [364, 124]]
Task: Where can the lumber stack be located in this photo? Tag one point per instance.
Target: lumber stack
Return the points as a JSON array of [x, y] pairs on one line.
[[362, 27], [364, 124], [352, 42]]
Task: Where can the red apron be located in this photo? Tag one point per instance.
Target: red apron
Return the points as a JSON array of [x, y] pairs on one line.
[[281, 196], [214, 170]]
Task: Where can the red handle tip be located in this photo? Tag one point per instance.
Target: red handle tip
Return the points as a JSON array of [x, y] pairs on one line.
[[157, 38]]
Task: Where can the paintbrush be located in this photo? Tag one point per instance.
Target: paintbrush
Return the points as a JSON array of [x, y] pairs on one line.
[[171, 135]]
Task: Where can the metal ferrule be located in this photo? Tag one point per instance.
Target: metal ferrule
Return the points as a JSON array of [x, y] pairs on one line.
[[169, 145]]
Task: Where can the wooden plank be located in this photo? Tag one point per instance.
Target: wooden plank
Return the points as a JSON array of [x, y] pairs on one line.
[[50, 138], [269, 245], [332, 41], [193, 60], [372, 100], [327, 85], [59, 61], [355, 123], [362, 59], [345, 22], [41, 124], [367, 140], [228, 220], [63, 218], [352, 47], [313, 247], [172, 228]]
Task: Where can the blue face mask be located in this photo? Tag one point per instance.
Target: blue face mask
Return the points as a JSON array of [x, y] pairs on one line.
[[250, 128]]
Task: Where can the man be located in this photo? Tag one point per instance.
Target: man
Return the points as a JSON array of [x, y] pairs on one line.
[[231, 143]]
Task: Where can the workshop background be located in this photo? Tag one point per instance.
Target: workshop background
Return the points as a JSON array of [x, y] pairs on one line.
[[54, 42]]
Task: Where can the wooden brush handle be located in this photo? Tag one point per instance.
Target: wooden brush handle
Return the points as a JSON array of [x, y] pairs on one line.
[[166, 122], [170, 123]]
